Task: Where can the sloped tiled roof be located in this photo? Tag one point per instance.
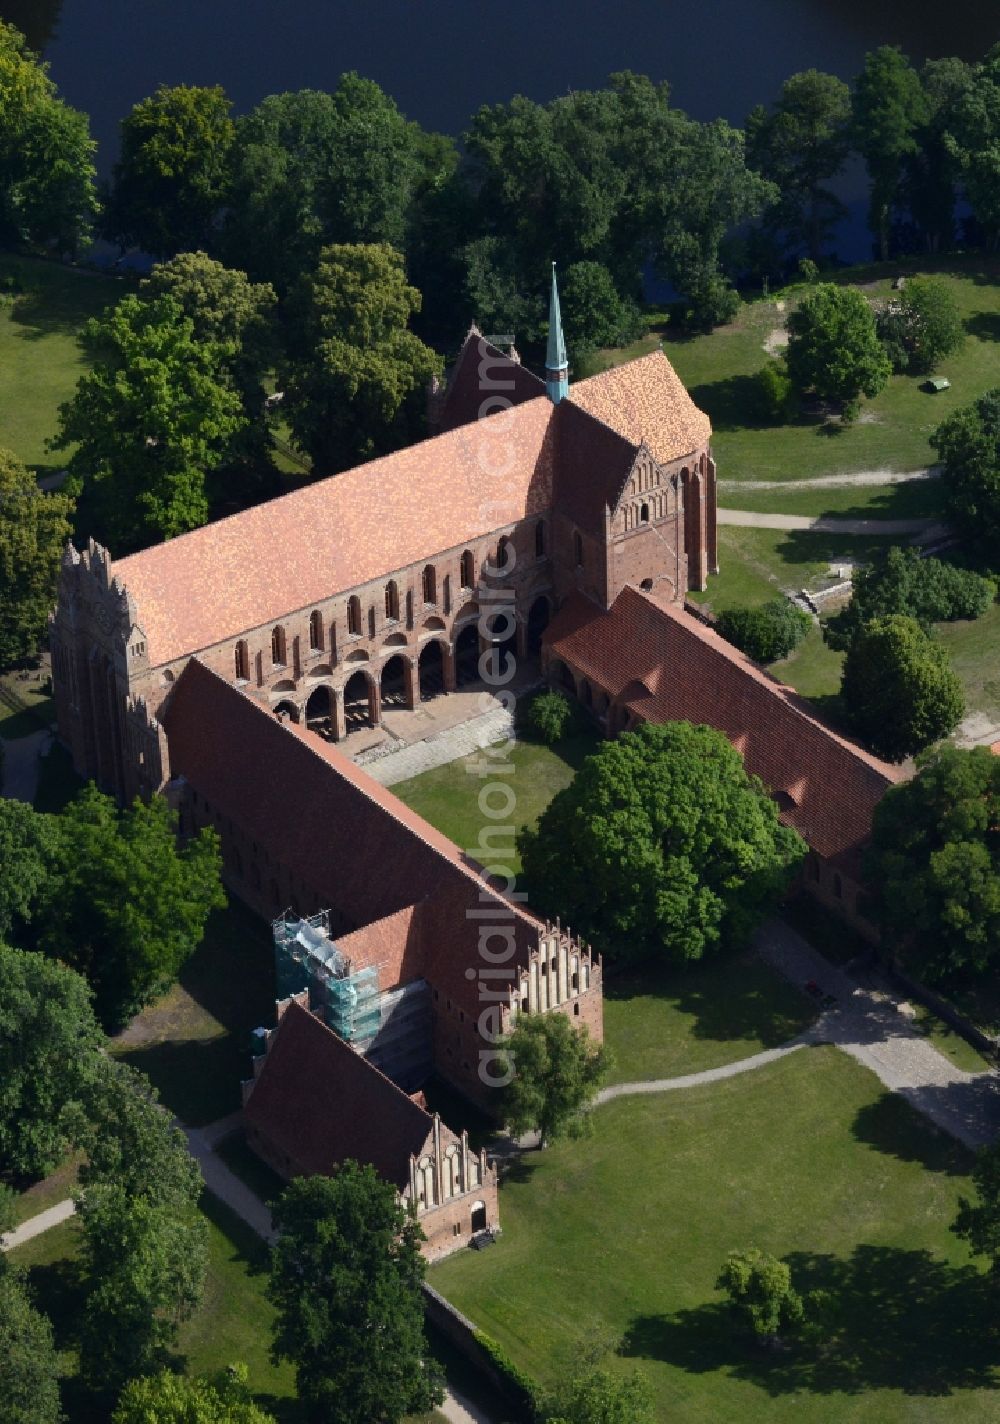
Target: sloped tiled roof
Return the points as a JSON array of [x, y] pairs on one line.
[[666, 666], [482, 371], [346, 837], [645, 401], [318, 1102], [254, 567]]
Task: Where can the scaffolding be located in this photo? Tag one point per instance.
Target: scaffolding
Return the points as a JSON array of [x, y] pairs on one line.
[[306, 957]]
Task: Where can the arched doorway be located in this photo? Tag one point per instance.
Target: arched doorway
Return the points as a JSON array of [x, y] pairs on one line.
[[286, 711], [358, 702], [319, 710], [393, 682], [431, 671], [478, 1216], [538, 621], [467, 655]]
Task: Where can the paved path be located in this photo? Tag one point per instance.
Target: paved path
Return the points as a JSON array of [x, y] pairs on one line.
[[707, 1075], [222, 1182], [440, 748], [20, 765], [928, 529], [863, 477], [35, 1225]]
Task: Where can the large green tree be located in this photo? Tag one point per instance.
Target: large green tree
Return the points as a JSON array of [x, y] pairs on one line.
[[800, 144], [899, 688], [935, 864], [170, 182], [968, 446], [27, 849], [345, 1282], [151, 418], [920, 326], [833, 348], [47, 194], [931, 173], [29, 1365], [34, 527], [972, 137], [169, 1398], [593, 312], [356, 376], [555, 1071], [889, 108], [901, 580], [49, 1042], [130, 1141], [124, 904], [598, 1396], [663, 845]]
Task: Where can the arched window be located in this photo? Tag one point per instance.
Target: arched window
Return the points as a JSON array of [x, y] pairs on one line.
[[430, 584], [540, 539], [278, 647], [315, 630], [241, 659], [578, 551], [503, 554], [392, 601], [644, 514], [354, 616], [468, 569]]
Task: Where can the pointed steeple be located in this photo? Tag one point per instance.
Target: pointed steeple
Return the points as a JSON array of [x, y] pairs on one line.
[[556, 365]]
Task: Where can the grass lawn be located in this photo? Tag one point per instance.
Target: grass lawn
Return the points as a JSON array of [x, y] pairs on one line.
[[620, 1238], [39, 356], [25, 706], [194, 1043], [56, 1187], [974, 649], [664, 1022], [448, 796], [913, 499]]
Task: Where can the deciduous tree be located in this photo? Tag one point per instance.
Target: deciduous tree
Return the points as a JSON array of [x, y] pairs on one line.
[[34, 527], [972, 138], [663, 845], [889, 108], [968, 445], [899, 688], [29, 1365], [27, 849], [599, 1397], [833, 348], [169, 185], [169, 1398], [935, 864], [130, 1141], [356, 377], [978, 1221], [900, 581], [555, 1070], [49, 1043], [920, 326], [761, 1293], [593, 312], [345, 1280]]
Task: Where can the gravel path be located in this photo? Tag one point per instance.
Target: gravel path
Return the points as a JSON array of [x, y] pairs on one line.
[[35, 1225], [928, 529], [440, 748], [863, 477]]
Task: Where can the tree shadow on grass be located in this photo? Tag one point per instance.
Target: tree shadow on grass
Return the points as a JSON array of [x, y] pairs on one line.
[[893, 1319], [731, 404], [60, 309], [983, 325], [891, 1125]]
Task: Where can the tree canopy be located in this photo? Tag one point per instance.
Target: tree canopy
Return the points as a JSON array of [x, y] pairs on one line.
[[920, 326], [27, 850], [899, 580], [356, 376], [597, 1396], [761, 1293], [935, 864], [767, 631], [662, 845], [968, 445], [889, 108], [556, 1070], [34, 527], [171, 179], [833, 348], [49, 1041], [978, 1220], [169, 1398], [345, 1281], [899, 688], [972, 138], [29, 1365], [47, 193], [149, 420]]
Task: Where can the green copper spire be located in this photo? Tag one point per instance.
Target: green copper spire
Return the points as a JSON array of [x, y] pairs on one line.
[[556, 365]]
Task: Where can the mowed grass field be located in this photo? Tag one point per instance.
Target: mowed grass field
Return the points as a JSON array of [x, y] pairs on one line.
[[40, 359], [618, 1239]]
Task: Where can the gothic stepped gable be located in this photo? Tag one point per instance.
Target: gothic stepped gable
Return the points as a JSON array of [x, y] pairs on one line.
[[662, 664], [355, 844]]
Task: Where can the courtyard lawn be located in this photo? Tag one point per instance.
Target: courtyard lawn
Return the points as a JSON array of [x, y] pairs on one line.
[[619, 1238], [40, 318], [910, 499], [194, 1043], [448, 796], [661, 1023]]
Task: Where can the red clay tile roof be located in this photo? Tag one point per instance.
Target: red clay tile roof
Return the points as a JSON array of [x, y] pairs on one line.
[[482, 371], [667, 666], [318, 1103], [346, 837], [646, 402], [245, 571]]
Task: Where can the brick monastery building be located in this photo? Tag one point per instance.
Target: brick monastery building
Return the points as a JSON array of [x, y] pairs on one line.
[[539, 520]]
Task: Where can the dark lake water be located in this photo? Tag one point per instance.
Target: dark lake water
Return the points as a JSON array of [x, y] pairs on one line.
[[441, 59]]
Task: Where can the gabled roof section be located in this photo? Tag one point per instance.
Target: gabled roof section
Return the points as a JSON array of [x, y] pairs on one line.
[[319, 1103], [256, 567], [592, 467], [646, 401], [667, 666], [481, 373]]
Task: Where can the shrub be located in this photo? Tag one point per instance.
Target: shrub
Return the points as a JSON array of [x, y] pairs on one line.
[[774, 392], [899, 581], [523, 1390], [551, 716], [919, 326], [767, 632]]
